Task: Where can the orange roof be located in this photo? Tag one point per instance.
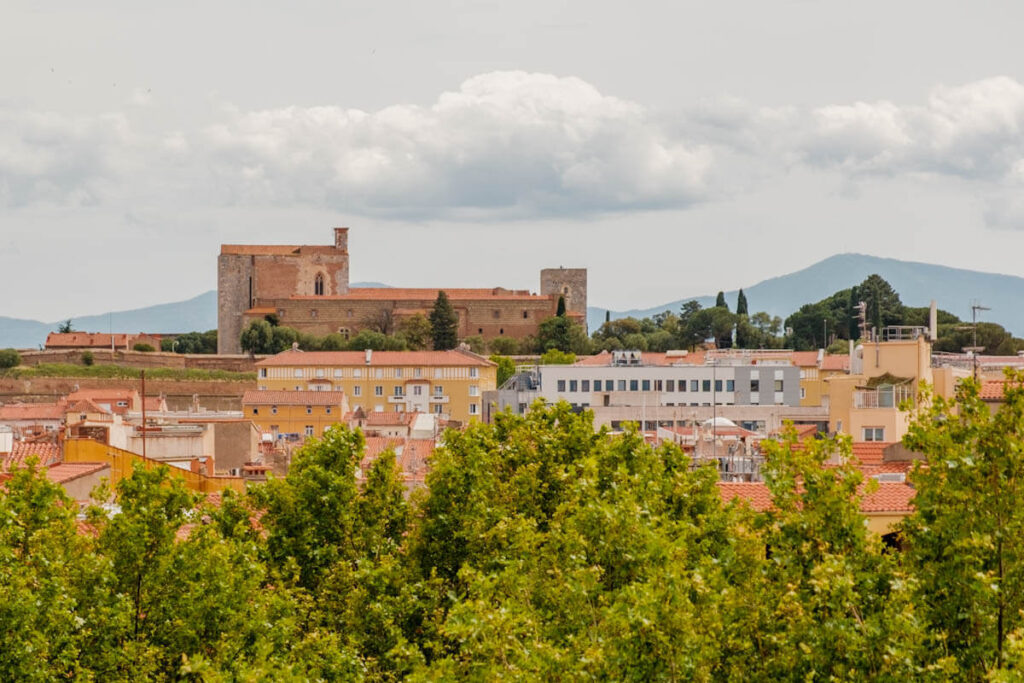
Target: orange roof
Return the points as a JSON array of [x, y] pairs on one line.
[[992, 390], [62, 473], [836, 362], [805, 359], [112, 394], [374, 419], [32, 411], [293, 398], [411, 455], [47, 453], [889, 497], [377, 358], [869, 452], [427, 294]]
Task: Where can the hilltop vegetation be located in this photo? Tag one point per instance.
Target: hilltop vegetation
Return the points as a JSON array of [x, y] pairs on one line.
[[540, 550]]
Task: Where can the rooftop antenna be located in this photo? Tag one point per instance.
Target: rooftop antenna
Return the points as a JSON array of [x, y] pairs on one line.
[[974, 349]]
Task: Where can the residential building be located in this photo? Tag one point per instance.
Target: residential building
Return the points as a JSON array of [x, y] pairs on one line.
[[33, 420], [294, 415], [449, 384], [307, 288]]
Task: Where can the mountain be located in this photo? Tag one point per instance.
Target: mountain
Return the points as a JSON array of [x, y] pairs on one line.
[[953, 289], [196, 314]]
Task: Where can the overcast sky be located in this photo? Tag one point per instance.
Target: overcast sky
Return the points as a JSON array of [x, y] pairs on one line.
[[673, 148]]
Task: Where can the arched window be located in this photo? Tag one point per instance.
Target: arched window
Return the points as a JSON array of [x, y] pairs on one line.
[[318, 285]]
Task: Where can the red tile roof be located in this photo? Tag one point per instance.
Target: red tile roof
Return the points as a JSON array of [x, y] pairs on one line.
[[992, 390], [869, 452], [836, 362], [293, 398], [805, 359], [31, 411], [428, 294], [377, 359], [46, 453], [374, 419], [64, 472], [889, 497]]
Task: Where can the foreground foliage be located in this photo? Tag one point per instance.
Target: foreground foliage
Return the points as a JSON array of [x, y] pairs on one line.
[[539, 550]]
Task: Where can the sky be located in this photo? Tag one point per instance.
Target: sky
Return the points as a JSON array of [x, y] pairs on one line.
[[674, 149]]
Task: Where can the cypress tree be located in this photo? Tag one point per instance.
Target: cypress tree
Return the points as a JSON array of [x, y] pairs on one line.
[[444, 324], [607, 316], [720, 301], [560, 311], [741, 304]]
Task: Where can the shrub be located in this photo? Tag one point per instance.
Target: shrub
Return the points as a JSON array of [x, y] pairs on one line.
[[9, 358], [88, 358], [145, 348]]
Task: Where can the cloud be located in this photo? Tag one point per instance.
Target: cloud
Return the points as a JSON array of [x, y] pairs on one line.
[[512, 145], [54, 159], [504, 144], [974, 131]]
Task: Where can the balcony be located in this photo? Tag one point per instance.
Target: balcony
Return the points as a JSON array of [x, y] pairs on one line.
[[439, 399], [397, 399], [882, 397]]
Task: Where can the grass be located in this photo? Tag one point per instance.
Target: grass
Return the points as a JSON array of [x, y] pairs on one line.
[[121, 372]]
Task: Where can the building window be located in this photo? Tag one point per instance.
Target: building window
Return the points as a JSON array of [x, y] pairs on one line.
[[348, 313], [718, 385], [437, 373], [398, 373], [417, 390], [378, 390], [755, 386], [778, 385], [474, 372], [337, 373], [561, 385], [479, 330], [634, 385], [378, 373], [378, 408], [312, 313], [496, 313], [309, 430], [273, 410], [474, 390], [585, 385], [670, 385], [438, 390], [343, 331], [705, 385], [694, 385], [357, 391], [474, 408], [417, 372], [255, 411], [318, 285], [501, 331], [438, 408], [327, 410], [357, 373], [398, 391], [803, 392], [622, 385], [573, 385], [646, 385], [309, 410], [319, 372], [298, 372], [657, 385], [526, 314], [263, 372], [874, 433], [730, 385]]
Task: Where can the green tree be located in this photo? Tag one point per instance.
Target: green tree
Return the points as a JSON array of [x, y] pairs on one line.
[[965, 538], [560, 310], [884, 307], [741, 304], [506, 368], [504, 346], [557, 357], [65, 327], [416, 331], [258, 337], [444, 324], [142, 347], [9, 358], [88, 358], [564, 334], [720, 301]]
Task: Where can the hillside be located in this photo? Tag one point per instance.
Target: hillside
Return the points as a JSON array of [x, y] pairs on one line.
[[917, 283]]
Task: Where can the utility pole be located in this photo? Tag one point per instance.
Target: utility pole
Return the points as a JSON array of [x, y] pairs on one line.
[[974, 349], [142, 374]]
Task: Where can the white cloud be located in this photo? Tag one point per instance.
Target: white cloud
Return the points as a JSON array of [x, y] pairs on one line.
[[505, 144]]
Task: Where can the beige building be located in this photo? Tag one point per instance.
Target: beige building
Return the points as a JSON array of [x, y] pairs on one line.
[[449, 384]]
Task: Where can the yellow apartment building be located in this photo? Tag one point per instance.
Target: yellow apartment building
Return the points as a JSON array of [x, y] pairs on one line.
[[304, 413], [449, 384]]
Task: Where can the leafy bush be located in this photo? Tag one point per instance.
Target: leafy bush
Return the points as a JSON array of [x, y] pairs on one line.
[[88, 358], [9, 358], [143, 347]]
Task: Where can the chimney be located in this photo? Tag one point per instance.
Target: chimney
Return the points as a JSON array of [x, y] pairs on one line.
[[369, 356], [933, 322], [341, 239]]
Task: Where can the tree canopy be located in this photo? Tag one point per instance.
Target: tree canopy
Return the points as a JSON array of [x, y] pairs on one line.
[[444, 324]]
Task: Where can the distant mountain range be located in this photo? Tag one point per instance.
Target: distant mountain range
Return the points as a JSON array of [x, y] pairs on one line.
[[917, 283], [953, 289]]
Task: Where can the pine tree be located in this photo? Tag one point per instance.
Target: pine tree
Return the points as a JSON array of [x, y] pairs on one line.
[[720, 301], [560, 311], [444, 324], [741, 304], [607, 316]]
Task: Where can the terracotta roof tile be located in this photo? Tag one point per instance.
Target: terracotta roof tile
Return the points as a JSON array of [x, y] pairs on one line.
[[889, 497], [992, 390], [64, 472], [377, 359], [805, 359], [869, 452], [374, 419], [293, 398], [31, 411], [836, 362], [47, 453]]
